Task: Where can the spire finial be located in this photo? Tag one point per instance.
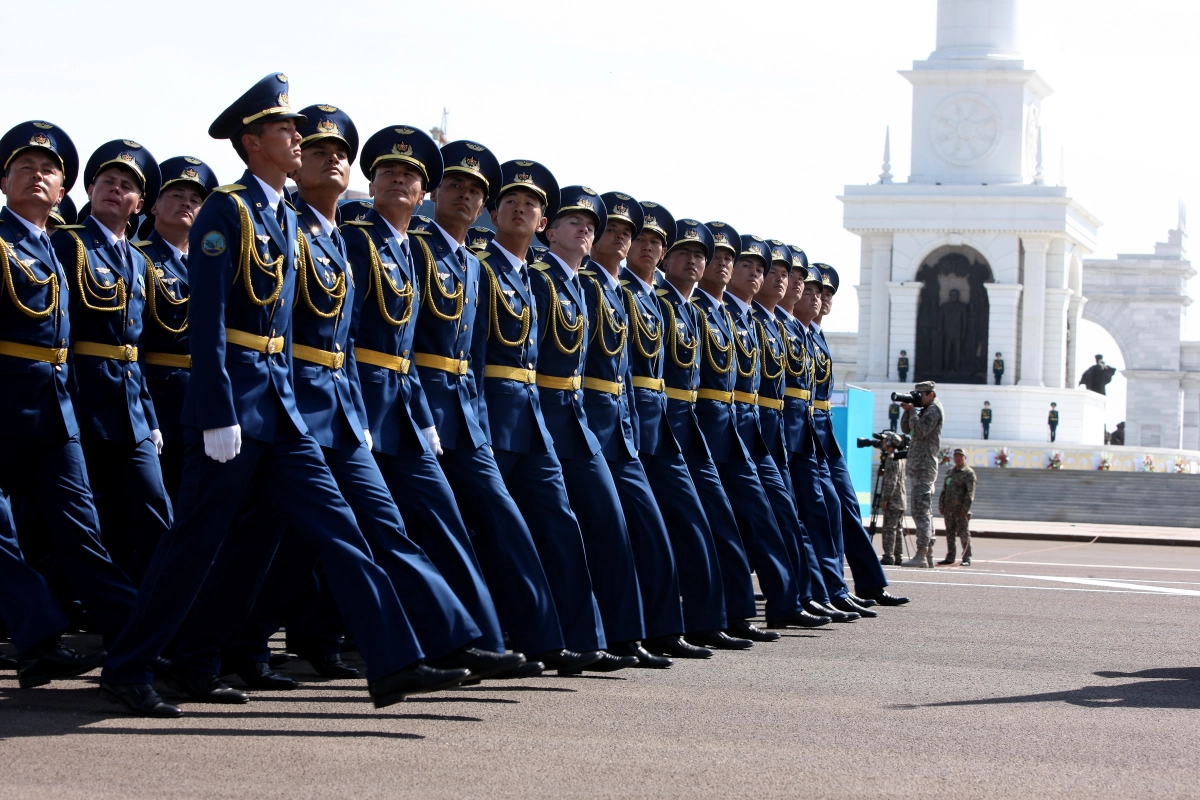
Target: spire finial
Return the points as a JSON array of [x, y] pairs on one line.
[[1038, 179], [886, 175]]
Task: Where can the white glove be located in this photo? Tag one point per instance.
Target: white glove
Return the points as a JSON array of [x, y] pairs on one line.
[[431, 438], [156, 440], [369, 440], [222, 444]]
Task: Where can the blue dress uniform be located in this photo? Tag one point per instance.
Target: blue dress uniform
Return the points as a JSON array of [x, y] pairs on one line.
[[856, 542], [164, 352], [117, 415], [612, 417], [243, 249], [29, 610], [681, 378], [41, 461], [449, 350]]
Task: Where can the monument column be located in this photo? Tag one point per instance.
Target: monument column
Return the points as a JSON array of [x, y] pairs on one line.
[[1074, 317], [1055, 359], [1033, 320], [881, 270], [1003, 300], [903, 298]]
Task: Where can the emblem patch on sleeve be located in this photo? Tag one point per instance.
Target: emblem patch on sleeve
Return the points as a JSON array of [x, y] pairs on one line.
[[213, 243]]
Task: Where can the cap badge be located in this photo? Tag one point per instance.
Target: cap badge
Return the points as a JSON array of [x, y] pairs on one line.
[[523, 163], [405, 131], [587, 190], [478, 148], [796, 262], [327, 109], [716, 224], [620, 196], [281, 78], [479, 243], [470, 163], [650, 221], [691, 233], [778, 255], [328, 126], [756, 250], [721, 238], [191, 160], [129, 143], [650, 205], [190, 174], [402, 149], [126, 157], [621, 208], [689, 222], [43, 125], [283, 99], [523, 177], [39, 140], [759, 239], [584, 202]]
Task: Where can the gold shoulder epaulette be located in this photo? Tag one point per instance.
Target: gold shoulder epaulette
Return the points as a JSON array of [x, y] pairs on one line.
[[624, 283], [290, 204], [540, 266], [230, 188], [69, 227], [661, 292], [141, 243], [418, 231], [362, 223], [587, 272]]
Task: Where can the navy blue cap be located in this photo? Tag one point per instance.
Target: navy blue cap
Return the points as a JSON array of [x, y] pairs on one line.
[[328, 122], [690, 231], [754, 247], [354, 210], [420, 224], [265, 101], [799, 258], [479, 236], [476, 160], [531, 176], [42, 136], [403, 143], [657, 219], [536, 254], [188, 169], [725, 236], [625, 208], [779, 252], [814, 275], [580, 198], [829, 277], [64, 213], [133, 157]]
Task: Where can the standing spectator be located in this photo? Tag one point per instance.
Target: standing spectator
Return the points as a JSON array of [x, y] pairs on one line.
[[958, 494], [985, 418], [997, 369], [893, 416], [1052, 421], [924, 424], [902, 366]]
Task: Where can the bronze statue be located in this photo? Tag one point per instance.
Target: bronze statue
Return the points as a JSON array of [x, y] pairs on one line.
[[1098, 376]]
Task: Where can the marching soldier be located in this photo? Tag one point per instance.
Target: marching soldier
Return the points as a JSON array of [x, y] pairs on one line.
[[997, 369], [902, 367], [245, 436], [164, 351], [120, 432], [985, 418], [954, 505]]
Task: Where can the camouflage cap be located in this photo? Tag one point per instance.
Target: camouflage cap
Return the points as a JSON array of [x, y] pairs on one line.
[[958, 451], [926, 386]]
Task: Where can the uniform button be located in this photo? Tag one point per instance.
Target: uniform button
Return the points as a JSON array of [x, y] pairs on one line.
[[404, 353], [464, 327], [58, 368], [530, 365], [461, 353], [337, 377], [337, 347], [128, 373], [531, 341]]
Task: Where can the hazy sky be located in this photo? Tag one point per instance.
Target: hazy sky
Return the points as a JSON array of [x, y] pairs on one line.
[[755, 113]]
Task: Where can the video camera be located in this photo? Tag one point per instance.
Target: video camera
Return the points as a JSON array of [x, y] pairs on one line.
[[907, 397], [880, 440]]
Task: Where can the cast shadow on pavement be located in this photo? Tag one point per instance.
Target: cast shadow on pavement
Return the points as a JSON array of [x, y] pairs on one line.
[[1165, 687]]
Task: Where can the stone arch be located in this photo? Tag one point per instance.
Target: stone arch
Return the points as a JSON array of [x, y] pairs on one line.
[[953, 312], [950, 242], [1110, 317]]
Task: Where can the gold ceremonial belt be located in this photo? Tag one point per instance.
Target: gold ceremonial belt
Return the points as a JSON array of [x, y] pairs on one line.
[[653, 384], [510, 373], [565, 384], [323, 357], [120, 352], [377, 359], [451, 365], [822, 405], [261, 344], [609, 387], [769, 402], [686, 395], [746, 397], [713, 394], [799, 394], [29, 352], [167, 360]]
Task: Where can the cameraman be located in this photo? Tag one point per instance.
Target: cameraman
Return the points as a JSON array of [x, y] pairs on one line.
[[891, 500], [923, 423]]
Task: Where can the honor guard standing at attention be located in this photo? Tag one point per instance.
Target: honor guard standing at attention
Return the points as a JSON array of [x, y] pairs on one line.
[[696, 560], [41, 461], [612, 417], [902, 366], [1052, 421], [245, 437], [164, 351], [563, 344], [449, 349], [997, 368], [985, 419], [120, 432], [894, 417]]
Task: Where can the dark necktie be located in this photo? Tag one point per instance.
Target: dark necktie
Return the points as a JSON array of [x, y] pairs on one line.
[[183, 259], [281, 215], [338, 242], [408, 262], [462, 258]]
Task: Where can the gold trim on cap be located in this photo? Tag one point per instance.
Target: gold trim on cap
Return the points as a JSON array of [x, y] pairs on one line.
[[267, 113], [397, 157], [530, 185], [129, 163], [45, 147]]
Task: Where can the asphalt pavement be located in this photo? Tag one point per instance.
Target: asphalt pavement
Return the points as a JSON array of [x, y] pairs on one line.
[[1045, 669]]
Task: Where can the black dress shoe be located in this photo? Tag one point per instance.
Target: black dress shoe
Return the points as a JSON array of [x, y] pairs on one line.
[[819, 610], [54, 662], [482, 663], [528, 669], [7, 663], [569, 659], [801, 619], [744, 629], [329, 665], [719, 640], [882, 597], [677, 647], [205, 687], [865, 602], [416, 679], [140, 699], [945, 562], [257, 675], [608, 663], [645, 659], [851, 607]]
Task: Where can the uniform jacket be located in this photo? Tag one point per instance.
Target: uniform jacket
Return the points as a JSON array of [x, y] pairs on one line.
[[106, 302], [164, 330], [562, 353], [718, 371], [232, 384], [958, 492], [822, 384], [514, 408], [747, 353], [35, 403], [447, 328], [386, 282], [772, 368], [652, 431], [891, 490], [681, 367], [925, 427], [798, 422], [612, 418]]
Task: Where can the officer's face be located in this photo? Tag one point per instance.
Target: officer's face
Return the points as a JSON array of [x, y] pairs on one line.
[[616, 240], [33, 177], [279, 143], [720, 269], [116, 195], [324, 164], [397, 185], [775, 284], [645, 252], [572, 233], [747, 276], [685, 262], [795, 287], [826, 300], [960, 460], [520, 214], [810, 299], [459, 199], [178, 205]]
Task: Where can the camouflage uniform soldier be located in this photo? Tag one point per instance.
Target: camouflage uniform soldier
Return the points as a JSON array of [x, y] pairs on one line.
[[892, 502], [955, 505], [924, 424]]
